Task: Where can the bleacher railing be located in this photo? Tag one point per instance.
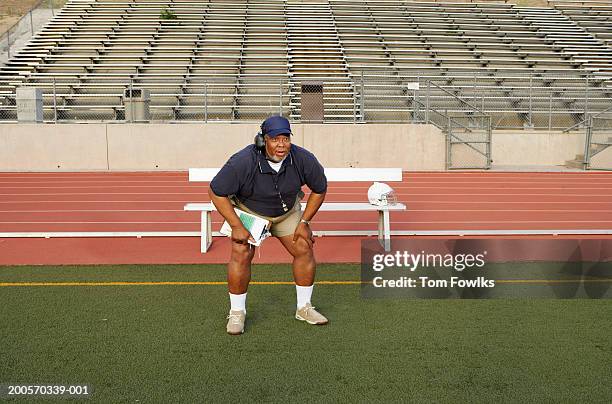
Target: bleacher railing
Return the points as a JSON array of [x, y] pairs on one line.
[[467, 131], [512, 101], [598, 149]]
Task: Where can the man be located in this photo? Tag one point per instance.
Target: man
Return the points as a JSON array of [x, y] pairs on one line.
[[265, 179]]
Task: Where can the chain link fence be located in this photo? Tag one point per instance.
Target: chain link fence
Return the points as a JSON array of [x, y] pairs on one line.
[[468, 145], [158, 100], [466, 127], [598, 150], [384, 98], [420, 100], [513, 101]]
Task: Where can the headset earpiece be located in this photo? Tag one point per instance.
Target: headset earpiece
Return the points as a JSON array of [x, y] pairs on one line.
[[260, 142]]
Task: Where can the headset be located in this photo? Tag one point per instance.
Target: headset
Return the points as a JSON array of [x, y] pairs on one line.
[[259, 141]]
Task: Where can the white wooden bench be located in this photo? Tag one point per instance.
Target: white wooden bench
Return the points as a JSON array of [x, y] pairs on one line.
[[332, 174]]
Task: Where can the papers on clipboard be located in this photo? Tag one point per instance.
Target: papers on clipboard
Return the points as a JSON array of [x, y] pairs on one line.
[[258, 227]]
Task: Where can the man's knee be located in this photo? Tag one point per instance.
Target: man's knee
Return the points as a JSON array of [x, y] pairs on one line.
[[302, 249], [242, 254]]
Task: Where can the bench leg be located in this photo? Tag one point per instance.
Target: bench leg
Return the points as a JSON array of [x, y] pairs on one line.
[[384, 229], [206, 236]]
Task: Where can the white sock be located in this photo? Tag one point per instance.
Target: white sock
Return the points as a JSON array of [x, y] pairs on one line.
[[303, 295], [238, 302]]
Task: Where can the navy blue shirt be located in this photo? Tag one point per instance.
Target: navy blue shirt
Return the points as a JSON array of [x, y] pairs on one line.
[[249, 177]]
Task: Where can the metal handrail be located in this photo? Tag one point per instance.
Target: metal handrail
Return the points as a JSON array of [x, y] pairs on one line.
[[457, 98], [587, 118], [36, 5]]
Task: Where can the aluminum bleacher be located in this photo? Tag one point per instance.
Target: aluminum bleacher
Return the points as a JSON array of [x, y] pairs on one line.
[[244, 59], [507, 60], [232, 55], [593, 16]]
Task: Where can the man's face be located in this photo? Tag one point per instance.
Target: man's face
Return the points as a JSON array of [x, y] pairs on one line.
[[277, 147]]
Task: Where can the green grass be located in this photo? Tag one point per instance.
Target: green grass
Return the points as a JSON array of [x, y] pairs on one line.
[[168, 343]]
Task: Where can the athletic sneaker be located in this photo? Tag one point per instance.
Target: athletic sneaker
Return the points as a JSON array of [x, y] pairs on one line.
[[235, 325], [310, 315]]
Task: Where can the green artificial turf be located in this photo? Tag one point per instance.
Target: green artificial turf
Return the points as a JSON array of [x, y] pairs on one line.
[[168, 343]]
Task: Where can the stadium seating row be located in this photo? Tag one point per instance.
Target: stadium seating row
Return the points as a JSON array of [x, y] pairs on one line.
[[232, 59]]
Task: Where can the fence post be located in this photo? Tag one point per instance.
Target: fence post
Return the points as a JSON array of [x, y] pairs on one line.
[[205, 101], [280, 97], [31, 23], [131, 101], [354, 105], [586, 97], [482, 103], [488, 145], [448, 140], [530, 124], [474, 90], [587, 144], [54, 102], [415, 101], [481, 112], [362, 99], [550, 102], [427, 103]]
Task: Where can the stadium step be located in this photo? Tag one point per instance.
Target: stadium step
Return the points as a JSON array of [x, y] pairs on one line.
[[313, 35], [578, 162]]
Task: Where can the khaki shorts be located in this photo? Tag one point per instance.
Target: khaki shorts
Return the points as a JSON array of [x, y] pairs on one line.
[[284, 225]]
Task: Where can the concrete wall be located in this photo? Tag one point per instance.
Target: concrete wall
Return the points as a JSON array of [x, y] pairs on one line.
[[412, 147], [37, 147], [522, 148], [536, 148], [126, 147], [149, 147], [602, 160], [175, 147]]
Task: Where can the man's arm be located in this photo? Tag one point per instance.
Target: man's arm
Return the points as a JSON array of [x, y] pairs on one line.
[[312, 206], [224, 206]]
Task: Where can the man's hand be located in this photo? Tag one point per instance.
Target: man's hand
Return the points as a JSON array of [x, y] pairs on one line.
[[303, 230], [241, 235]]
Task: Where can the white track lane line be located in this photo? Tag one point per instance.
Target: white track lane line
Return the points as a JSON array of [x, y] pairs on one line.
[[341, 184], [334, 222], [403, 212], [480, 201], [329, 193]]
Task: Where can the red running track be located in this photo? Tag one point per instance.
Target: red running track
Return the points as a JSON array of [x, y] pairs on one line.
[[91, 202]]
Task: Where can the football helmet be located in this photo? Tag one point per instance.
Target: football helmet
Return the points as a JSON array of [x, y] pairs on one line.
[[381, 194]]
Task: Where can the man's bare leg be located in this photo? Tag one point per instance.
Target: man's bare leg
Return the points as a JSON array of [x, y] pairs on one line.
[[238, 278], [304, 268], [239, 268], [304, 264]]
